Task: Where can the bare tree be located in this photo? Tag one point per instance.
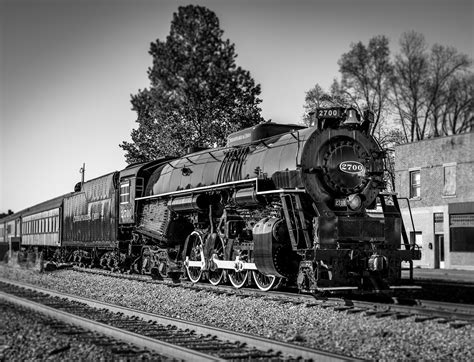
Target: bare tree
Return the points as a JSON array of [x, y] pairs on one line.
[[388, 138], [366, 74], [317, 97], [410, 73], [449, 91], [313, 100], [457, 113], [422, 85]]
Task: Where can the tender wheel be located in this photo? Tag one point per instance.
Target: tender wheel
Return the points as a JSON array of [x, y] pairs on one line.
[[216, 276], [265, 282], [238, 278], [195, 254]]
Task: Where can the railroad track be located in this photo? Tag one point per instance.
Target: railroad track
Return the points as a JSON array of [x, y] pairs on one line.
[[457, 315], [167, 336]]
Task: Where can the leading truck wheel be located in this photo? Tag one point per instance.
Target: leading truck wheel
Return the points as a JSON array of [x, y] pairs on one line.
[[195, 254], [265, 282]]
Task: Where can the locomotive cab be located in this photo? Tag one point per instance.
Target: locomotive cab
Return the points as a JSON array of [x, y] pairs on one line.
[[132, 181]]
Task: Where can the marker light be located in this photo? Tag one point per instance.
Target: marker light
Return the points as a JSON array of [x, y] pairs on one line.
[[354, 202]]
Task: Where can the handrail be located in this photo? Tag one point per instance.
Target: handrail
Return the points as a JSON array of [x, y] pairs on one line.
[[409, 209]]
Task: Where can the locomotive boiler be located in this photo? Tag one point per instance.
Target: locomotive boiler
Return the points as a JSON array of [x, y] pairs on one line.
[[278, 203]]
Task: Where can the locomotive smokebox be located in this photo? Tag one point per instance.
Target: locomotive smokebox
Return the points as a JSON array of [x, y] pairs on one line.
[[337, 163]]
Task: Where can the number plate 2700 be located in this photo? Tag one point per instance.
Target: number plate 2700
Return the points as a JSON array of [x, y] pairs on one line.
[[328, 113]]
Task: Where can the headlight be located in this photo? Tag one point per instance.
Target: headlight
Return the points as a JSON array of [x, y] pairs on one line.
[[354, 202]]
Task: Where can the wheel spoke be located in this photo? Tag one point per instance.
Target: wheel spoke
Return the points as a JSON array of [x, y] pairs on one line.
[[216, 276], [195, 273], [238, 279]]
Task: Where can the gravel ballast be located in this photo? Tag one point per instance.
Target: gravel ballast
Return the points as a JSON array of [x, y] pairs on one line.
[[355, 335], [26, 336]]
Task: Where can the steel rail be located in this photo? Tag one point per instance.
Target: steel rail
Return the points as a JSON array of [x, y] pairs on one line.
[[422, 307], [171, 350], [462, 311], [454, 311], [450, 311], [250, 340]]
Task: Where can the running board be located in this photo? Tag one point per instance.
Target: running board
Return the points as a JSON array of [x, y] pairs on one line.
[[335, 289]]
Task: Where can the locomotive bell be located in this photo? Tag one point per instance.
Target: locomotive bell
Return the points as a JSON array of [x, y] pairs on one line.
[[351, 117]]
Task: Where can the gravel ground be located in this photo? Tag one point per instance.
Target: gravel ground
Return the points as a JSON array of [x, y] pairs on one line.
[[354, 335]]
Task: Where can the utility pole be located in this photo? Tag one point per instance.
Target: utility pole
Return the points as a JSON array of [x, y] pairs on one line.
[[82, 171]]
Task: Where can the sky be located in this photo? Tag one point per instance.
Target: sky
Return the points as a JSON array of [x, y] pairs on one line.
[[68, 68]]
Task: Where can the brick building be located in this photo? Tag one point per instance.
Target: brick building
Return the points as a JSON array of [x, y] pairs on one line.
[[437, 176]]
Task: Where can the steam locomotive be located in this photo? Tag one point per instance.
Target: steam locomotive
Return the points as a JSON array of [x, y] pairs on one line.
[[280, 203]]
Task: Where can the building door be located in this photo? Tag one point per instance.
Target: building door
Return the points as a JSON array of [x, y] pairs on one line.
[[439, 251]]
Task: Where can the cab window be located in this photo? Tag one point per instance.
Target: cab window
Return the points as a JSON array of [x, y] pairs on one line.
[[125, 192]]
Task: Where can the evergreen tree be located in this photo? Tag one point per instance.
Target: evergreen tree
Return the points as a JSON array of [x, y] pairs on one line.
[[197, 93]]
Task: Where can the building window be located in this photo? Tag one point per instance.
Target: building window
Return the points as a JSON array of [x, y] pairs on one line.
[[438, 222], [415, 185], [449, 180], [462, 232]]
